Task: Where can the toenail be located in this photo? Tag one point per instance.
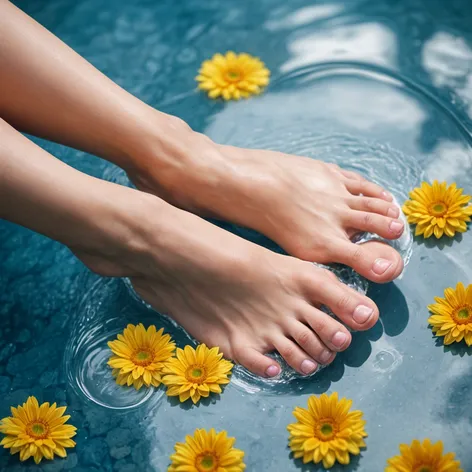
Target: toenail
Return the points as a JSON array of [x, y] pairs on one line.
[[362, 313], [308, 367], [380, 266], [325, 356], [393, 212], [272, 371], [339, 339], [396, 226]]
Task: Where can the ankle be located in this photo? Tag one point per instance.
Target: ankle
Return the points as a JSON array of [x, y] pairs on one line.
[[181, 166], [113, 238]]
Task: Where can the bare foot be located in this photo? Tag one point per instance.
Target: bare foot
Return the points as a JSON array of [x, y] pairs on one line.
[[231, 293], [310, 208]]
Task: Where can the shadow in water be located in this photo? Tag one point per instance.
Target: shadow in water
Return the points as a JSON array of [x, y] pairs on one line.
[[456, 349], [319, 383], [359, 350], [394, 317], [312, 467], [393, 308], [440, 243], [188, 405]]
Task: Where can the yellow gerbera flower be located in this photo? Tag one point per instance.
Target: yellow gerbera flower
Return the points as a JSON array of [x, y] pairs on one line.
[[37, 431], [438, 209], [452, 316], [327, 431], [233, 76], [424, 457], [196, 373], [140, 356], [207, 451]]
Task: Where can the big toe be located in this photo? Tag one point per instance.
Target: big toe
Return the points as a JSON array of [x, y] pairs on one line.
[[373, 260]]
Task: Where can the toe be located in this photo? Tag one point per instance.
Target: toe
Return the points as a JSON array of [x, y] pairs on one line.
[[331, 333], [309, 341], [256, 362], [374, 205], [388, 228], [374, 260], [295, 356], [368, 189], [354, 309]]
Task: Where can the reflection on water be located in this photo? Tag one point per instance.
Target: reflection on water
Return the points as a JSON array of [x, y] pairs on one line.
[[304, 16], [360, 42], [448, 59], [453, 163]]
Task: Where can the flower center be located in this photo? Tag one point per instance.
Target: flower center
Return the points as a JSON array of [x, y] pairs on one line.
[[37, 429], [142, 357], [463, 315], [206, 462], [325, 430], [438, 209], [196, 373], [233, 75]]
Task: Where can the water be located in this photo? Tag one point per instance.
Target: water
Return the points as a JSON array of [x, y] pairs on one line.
[[383, 88]]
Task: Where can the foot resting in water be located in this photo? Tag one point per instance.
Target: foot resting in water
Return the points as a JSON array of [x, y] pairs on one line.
[[310, 208]]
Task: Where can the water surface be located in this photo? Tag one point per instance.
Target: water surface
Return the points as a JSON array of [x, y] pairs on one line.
[[384, 88]]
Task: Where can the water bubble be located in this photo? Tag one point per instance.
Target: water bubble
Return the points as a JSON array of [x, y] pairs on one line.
[[386, 360]]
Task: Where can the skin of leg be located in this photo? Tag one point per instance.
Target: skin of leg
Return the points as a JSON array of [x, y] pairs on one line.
[[308, 207], [224, 290]]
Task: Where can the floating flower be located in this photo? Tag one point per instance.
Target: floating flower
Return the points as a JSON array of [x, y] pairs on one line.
[[207, 451], [140, 355], [37, 431], [424, 457], [452, 316], [438, 209], [196, 373], [233, 76], [327, 431]]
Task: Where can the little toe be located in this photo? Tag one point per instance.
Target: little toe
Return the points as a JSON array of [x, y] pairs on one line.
[[373, 260], [374, 205], [385, 227], [256, 362], [368, 189], [295, 356], [310, 342]]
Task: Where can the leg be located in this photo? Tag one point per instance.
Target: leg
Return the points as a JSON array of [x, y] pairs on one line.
[[224, 290], [309, 208]]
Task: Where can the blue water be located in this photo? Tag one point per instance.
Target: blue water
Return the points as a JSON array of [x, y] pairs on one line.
[[381, 87]]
